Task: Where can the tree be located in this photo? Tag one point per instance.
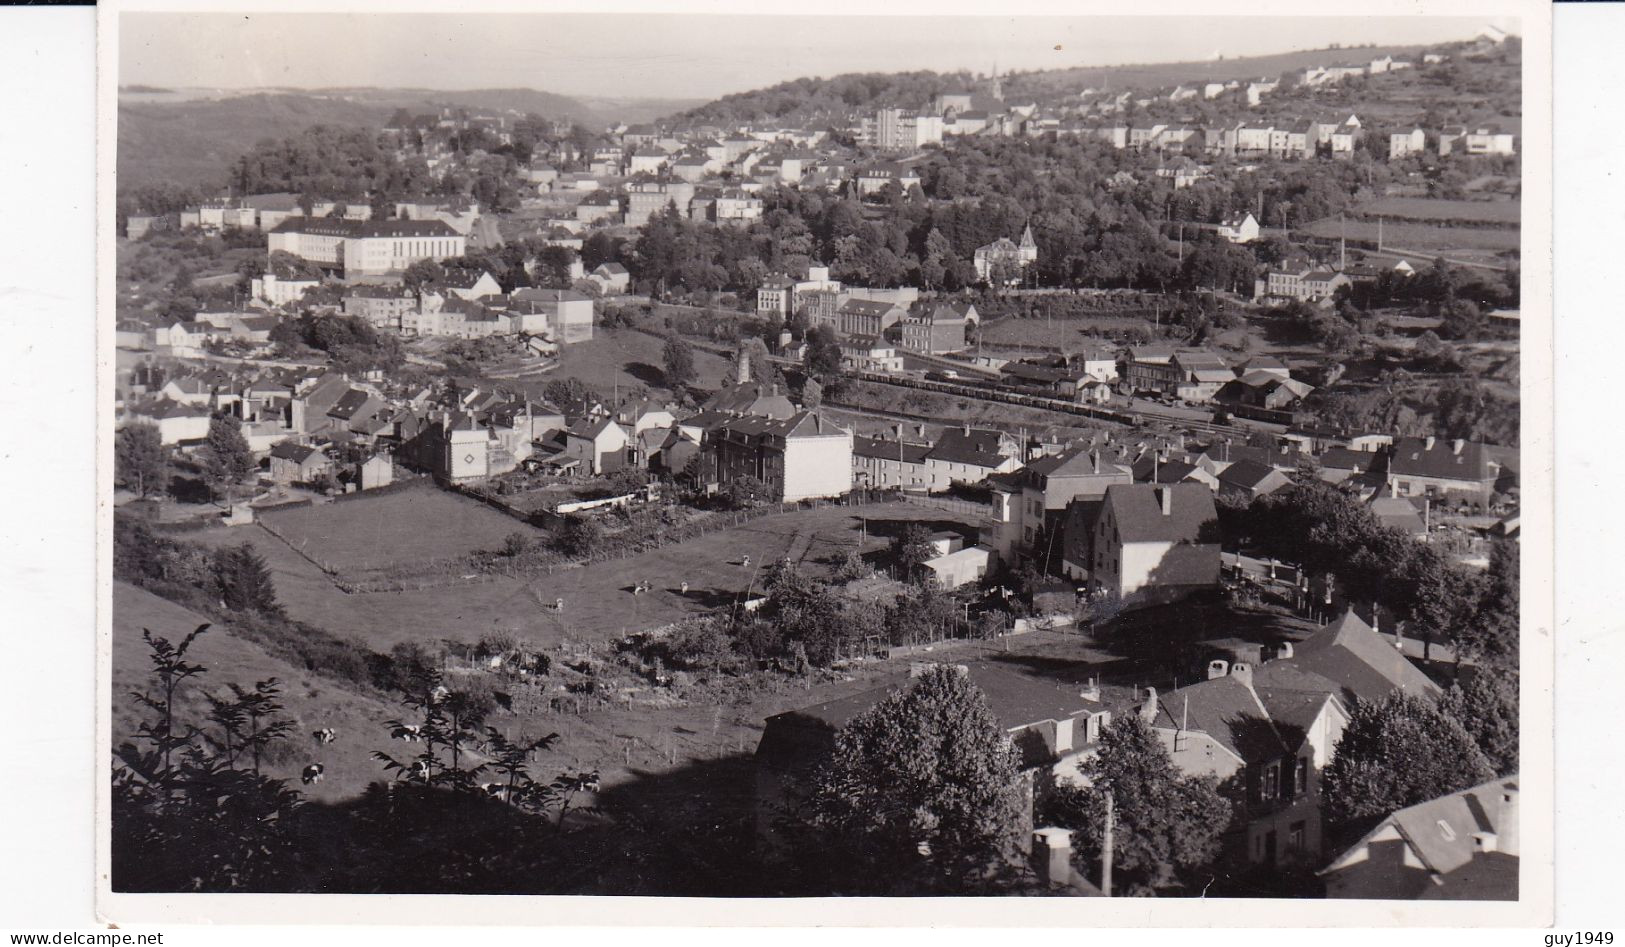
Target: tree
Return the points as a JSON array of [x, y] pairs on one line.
[[423, 273], [578, 536], [910, 549], [678, 363], [1487, 708], [812, 394], [191, 808], [245, 580], [1397, 752], [227, 459], [140, 462], [1166, 825], [921, 793], [823, 357], [746, 491]]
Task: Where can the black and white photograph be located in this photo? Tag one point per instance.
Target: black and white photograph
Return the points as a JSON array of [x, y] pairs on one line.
[[763, 456]]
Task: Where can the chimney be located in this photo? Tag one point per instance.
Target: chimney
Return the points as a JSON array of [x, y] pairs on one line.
[[1506, 822], [1052, 855], [1283, 651], [1243, 672], [1456, 446], [1165, 499], [1217, 668], [1148, 710], [1427, 444], [1091, 692]]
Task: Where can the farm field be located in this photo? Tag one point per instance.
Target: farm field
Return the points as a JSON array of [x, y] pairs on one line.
[[628, 359], [1430, 209], [1426, 238], [599, 604], [1067, 335], [373, 533]]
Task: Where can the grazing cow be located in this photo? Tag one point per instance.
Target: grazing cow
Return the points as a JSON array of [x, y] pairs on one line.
[[440, 693], [411, 733], [311, 774], [685, 588], [420, 769], [325, 735], [558, 605], [745, 562]]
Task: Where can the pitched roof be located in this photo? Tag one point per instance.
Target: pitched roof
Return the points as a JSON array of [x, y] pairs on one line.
[[1445, 460], [889, 450], [1361, 663], [1246, 474], [1440, 831], [1229, 711], [1137, 509]]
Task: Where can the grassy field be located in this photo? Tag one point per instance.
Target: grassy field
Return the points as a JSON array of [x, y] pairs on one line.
[[628, 359], [1417, 236], [312, 702], [1067, 335], [1430, 209], [380, 532], [599, 604]]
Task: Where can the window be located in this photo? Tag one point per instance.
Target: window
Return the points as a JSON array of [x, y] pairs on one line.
[[1294, 837], [1300, 777], [1270, 786]]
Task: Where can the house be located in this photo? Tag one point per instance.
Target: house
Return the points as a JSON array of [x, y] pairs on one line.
[[873, 179], [1351, 660], [1005, 257], [1247, 480], [1444, 470], [1476, 140], [177, 423], [1407, 515], [1405, 144], [468, 283], [1198, 375], [898, 129], [1267, 746], [598, 446], [597, 207], [867, 353], [1053, 723], [1460, 847], [804, 456], [970, 455], [647, 160], [611, 278], [1030, 504], [1263, 389], [935, 329], [1241, 228], [882, 463], [1155, 543], [279, 290], [292, 462], [563, 315]]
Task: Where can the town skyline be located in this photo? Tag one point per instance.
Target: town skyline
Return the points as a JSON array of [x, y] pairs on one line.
[[697, 57]]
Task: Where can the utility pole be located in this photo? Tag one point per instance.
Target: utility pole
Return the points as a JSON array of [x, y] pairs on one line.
[[1106, 847]]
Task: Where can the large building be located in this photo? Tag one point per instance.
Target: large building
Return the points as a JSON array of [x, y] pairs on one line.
[[1155, 543], [935, 329], [366, 247], [1008, 256], [894, 129], [1030, 504], [804, 456]]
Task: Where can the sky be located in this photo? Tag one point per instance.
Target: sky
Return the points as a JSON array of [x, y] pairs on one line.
[[691, 56]]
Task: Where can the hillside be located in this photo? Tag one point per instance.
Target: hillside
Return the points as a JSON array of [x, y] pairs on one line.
[[193, 142], [312, 702], [1161, 75], [813, 98]]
